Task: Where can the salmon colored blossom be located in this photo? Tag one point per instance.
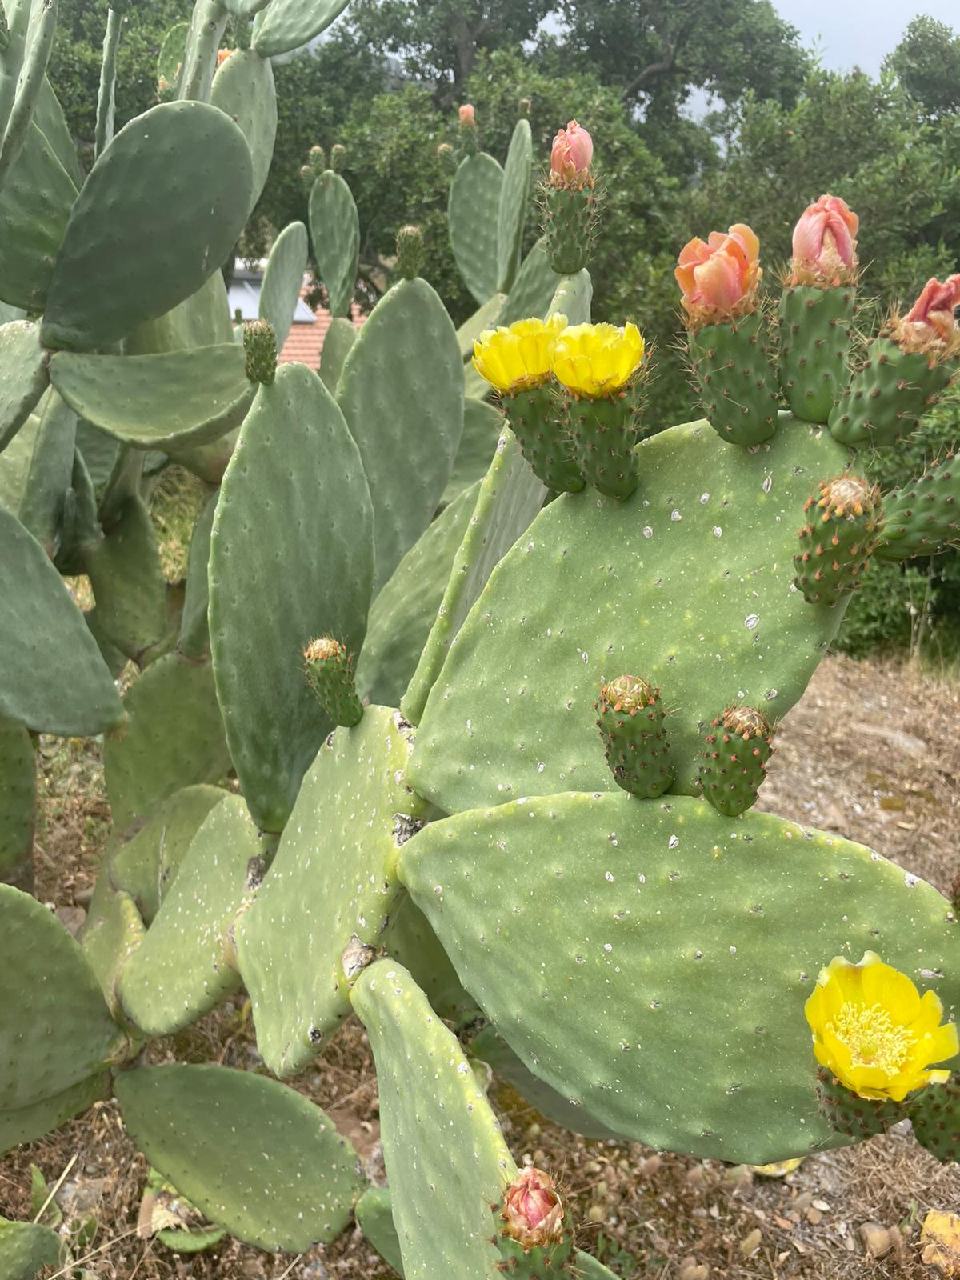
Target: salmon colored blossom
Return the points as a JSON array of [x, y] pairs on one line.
[[825, 243], [532, 1211], [222, 56], [571, 157], [930, 321], [719, 277], [467, 114]]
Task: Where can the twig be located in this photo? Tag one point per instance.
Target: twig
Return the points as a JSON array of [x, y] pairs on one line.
[[56, 1186], [78, 1262]]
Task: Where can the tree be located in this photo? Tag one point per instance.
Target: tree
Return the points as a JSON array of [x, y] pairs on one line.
[[927, 64]]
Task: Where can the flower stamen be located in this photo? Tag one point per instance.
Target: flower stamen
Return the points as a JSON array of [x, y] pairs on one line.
[[872, 1038]]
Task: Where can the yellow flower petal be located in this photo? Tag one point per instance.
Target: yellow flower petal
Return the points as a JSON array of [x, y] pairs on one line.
[[519, 356], [597, 359]]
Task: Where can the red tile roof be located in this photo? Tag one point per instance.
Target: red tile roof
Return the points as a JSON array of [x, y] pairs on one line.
[[305, 341]]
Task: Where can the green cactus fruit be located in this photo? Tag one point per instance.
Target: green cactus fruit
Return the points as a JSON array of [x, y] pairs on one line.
[[815, 329], [447, 157], [852, 1116], [317, 160], [630, 718], [290, 24], [283, 279], [243, 88], [924, 516], [260, 350], [841, 534], [535, 415], [604, 433], [935, 1116], [737, 383], [338, 157], [735, 759], [329, 670], [409, 251], [886, 398], [307, 177], [472, 221], [514, 199], [570, 225], [533, 1241]]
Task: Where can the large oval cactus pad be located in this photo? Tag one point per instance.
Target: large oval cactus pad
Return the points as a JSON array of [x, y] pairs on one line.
[[291, 558], [26, 1124], [254, 1156], [290, 24], [598, 587], [335, 231], [472, 215], [446, 1159], [650, 959], [514, 196], [160, 212], [243, 89], [332, 883]]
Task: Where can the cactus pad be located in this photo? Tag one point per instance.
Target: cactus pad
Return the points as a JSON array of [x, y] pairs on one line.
[[516, 693], [472, 217], [111, 934], [44, 500], [738, 385], [482, 425], [23, 376], [208, 1129], [194, 641], [886, 398], [243, 89], [923, 516], [35, 204], [49, 998], [331, 885], [447, 1234], [161, 211], [181, 970], [17, 799], [815, 327], [290, 24], [291, 558], [335, 232], [26, 1248], [661, 982], [337, 342], [410, 941], [533, 288], [375, 1219], [26, 1124], [512, 210], [283, 279]]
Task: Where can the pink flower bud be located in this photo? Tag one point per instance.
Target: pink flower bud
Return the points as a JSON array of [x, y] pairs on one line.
[[532, 1211], [467, 115], [930, 319], [825, 243], [571, 156], [718, 279], [222, 56]]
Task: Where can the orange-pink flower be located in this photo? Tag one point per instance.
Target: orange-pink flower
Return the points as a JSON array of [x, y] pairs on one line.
[[933, 310], [532, 1211], [719, 277], [571, 156], [467, 114], [825, 243]]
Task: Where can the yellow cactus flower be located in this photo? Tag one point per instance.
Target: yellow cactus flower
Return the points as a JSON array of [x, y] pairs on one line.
[[520, 356], [597, 360], [874, 1031]]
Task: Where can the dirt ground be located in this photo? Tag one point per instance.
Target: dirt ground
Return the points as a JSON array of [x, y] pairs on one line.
[[871, 751]]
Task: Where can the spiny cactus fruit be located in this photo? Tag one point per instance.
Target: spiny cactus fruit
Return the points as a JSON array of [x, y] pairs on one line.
[[935, 1117], [726, 336], [817, 307], [533, 1240], [338, 157], [840, 536], [329, 670], [467, 130], [855, 1117], [630, 718], [735, 760], [260, 350], [570, 200], [409, 251]]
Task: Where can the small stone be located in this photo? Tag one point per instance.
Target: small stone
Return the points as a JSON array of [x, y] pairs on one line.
[[814, 1216], [690, 1269], [751, 1243], [877, 1239], [597, 1213]]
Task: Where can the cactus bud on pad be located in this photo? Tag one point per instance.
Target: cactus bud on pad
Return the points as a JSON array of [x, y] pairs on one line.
[[260, 347], [630, 719], [329, 670], [735, 761], [533, 1242], [841, 534]]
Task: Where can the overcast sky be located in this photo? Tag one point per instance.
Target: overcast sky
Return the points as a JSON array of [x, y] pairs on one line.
[[850, 33]]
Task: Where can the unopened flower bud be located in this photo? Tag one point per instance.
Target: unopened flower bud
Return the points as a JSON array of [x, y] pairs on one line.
[[467, 116], [532, 1211], [338, 157], [524, 106], [447, 156], [409, 251], [931, 320], [718, 278], [825, 243], [571, 157], [260, 348]]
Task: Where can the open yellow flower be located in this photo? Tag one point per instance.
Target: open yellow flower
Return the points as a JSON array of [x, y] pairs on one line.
[[520, 356], [874, 1031], [597, 359]]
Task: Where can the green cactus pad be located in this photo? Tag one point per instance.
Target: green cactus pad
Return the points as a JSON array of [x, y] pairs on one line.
[[251, 1154], [181, 970], [840, 535], [49, 998], [404, 611], [54, 678], [290, 24], [815, 334], [28, 79], [26, 1248], [335, 232], [161, 211], [180, 398], [292, 531], [737, 382], [935, 1116], [854, 1117], [329, 889], [375, 1219], [405, 370], [15, 464], [533, 288], [410, 941], [35, 205], [170, 59], [282, 280], [128, 584], [661, 982], [630, 717], [194, 641], [490, 1047], [886, 398], [923, 516], [337, 342], [517, 690], [18, 789], [173, 737], [113, 931], [203, 320], [50, 476], [52, 123], [508, 499], [736, 751], [23, 376], [482, 427], [485, 317], [26, 1124], [448, 1234], [512, 210], [472, 214], [243, 89]]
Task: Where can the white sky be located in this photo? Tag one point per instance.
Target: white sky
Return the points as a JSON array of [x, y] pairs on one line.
[[849, 34]]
